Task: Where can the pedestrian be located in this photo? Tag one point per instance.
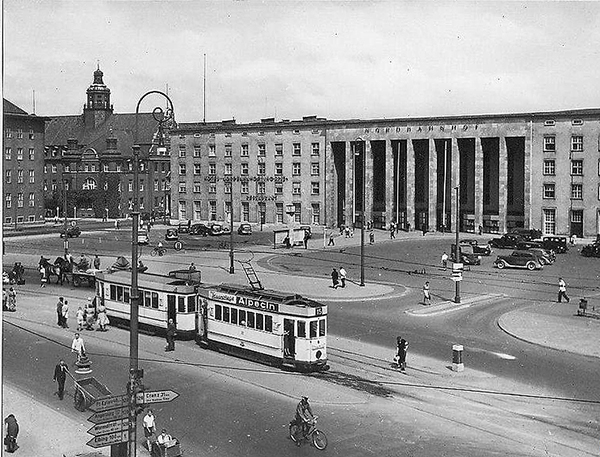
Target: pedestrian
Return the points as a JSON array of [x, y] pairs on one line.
[[343, 277], [97, 262], [80, 316], [59, 306], [43, 276], [192, 267], [334, 278], [392, 231], [12, 299], [12, 430], [78, 346], [90, 316], [424, 229], [306, 237], [347, 232], [480, 230], [562, 290], [102, 318], [444, 260], [116, 224], [426, 294], [331, 239], [371, 237], [60, 376], [149, 423], [402, 348], [65, 314], [4, 300], [171, 332]]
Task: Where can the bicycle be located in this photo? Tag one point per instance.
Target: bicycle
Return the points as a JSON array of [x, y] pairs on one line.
[[158, 251], [317, 437]]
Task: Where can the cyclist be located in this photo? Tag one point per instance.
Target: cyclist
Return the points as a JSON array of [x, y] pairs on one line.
[[304, 416]]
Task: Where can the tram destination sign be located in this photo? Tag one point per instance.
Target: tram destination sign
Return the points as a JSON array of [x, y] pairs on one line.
[[108, 440], [246, 302], [110, 415], [158, 396], [109, 427], [106, 403]]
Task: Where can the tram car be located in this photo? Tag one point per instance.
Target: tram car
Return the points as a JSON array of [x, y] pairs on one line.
[[277, 328]]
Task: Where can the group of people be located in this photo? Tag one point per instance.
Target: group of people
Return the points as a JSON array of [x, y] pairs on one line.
[[156, 444], [9, 299], [338, 278], [86, 316]]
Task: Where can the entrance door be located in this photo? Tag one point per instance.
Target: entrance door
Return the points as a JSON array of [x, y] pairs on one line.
[[171, 308], [289, 339], [577, 223], [422, 220]]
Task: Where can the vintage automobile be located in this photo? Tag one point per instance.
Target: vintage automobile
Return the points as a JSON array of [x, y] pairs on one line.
[[482, 249], [591, 250], [199, 229], [527, 234], [557, 243], [467, 256], [171, 234], [547, 256], [244, 229], [216, 228], [183, 226], [506, 241], [519, 259], [143, 237], [73, 231]]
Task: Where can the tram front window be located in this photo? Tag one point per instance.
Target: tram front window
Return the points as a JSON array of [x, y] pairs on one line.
[[322, 327], [301, 329], [313, 329]]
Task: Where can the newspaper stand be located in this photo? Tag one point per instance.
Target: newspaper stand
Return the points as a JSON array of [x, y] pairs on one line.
[[87, 391]]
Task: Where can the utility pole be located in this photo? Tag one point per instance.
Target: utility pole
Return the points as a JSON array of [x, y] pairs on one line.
[[457, 247]]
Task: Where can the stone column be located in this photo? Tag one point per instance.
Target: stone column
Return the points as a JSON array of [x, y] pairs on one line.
[[455, 180], [410, 184], [432, 216], [478, 183], [349, 186], [368, 181], [527, 210], [502, 183], [389, 183], [331, 195]]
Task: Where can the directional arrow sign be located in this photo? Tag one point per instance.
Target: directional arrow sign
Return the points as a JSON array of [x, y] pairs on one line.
[[109, 427], [110, 415], [159, 396], [107, 440], [106, 403]]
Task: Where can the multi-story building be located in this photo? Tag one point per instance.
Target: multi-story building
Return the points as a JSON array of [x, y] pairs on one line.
[[88, 160], [497, 172], [23, 166]]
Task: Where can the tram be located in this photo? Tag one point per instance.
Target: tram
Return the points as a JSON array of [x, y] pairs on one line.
[[277, 328]]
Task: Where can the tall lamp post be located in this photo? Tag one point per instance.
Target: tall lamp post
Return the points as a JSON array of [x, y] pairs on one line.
[[134, 373], [362, 209], [457, 247]]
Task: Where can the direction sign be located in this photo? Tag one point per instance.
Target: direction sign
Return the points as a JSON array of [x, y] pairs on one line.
[[106, 403], [109, 427], [159, 396], [110, 415], [107, 440]]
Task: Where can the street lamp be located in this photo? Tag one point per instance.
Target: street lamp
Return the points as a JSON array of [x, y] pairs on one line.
[[358, 141], [457, 247], [64, 188], [134, 373]]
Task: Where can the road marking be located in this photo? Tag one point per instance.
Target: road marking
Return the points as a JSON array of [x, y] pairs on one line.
[[504, 356]]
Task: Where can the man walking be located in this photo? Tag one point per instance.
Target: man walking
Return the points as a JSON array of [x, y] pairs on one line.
[[444, 260], [149, 428], [562, 290], [65, 314], [306, 237], [77, 346], [97, 262], [59, 306], [60, 376], [12, 431], [171, 330], [392, 231], [426, 294], [334, 278], [343, 277], [331, 241]]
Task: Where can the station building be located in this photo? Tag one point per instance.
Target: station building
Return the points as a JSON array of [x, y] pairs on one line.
[[494, 172]]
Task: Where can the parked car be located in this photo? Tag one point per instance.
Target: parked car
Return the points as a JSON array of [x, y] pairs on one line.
[[73, 231], [527, 234], [143, 237], [172, 234], [591, 250], [467, 256], [307, 229], [546, 257], [483, 249], [506, 241], [216, 228], [183, 227], [226, 229], [525, 245], [519, 259], [557, 243], [199, 229], [245, 229]]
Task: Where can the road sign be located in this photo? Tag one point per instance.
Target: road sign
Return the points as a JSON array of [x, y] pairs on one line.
[[457, 267], [109, 427], [159, 396], [107, 440], [106, 403], [457, 277], [110, 415]]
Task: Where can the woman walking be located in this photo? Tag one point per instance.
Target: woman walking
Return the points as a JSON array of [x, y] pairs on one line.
[[426, 294]]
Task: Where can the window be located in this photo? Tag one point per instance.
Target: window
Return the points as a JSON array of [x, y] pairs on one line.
[[106, 168], [141, 184], [549, 190], [242, 317], [228, 169], [316, 149], [549, 167], [182, 210], [19, 133], [45, 185], [314, 169], [212, 168], [297, 212], [262, 168], [296, 169], [576, 143], [296, 188], [550, 221], [322, 327], [197, 169], [227, 188], [31, 154], [218, 312], [19, 153], [279, 213], [297, 150], [549, 143], [8, 133], [234, 316], [301, 332], [196, 151], [54, 186], [244, 187], [577, 167], [8, 200], [19, 176], [577, 191], [156, 185], [268, 323], [89, 184], [182, 168], [32, 135], [226, 310], [260, 187], [278, 189], [182, 189], [213, 210], [118, 168], [244, 151], [314, 188], [212, 151], [245, 211], [8, 176], [279, 169], [197, 210], [31, 176], [228, 150], [182, 150], [250, 319], [212, 188], [130, 186], [20, 199], [31, 200], [7, 153], [197, 188], [262, 150], [278, 149], [316, 213], [313, 328]]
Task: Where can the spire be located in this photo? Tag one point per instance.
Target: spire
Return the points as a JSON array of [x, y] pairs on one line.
[[98, 106]]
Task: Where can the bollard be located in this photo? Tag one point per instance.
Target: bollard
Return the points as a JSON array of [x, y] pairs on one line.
[[83, 365], [457, 362]]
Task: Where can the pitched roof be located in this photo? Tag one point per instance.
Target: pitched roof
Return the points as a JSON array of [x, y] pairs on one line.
[[11, 108]]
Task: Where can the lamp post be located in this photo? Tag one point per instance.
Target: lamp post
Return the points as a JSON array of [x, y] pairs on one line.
[[134, 373], [362, 209], [457, 247], [231, 263], [64, 186]]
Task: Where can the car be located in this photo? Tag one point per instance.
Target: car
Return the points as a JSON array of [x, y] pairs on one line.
[[172, 234], [527, 234], [307, 229], [519, 259], [216, 228], [506, 241], [199, 229], [143, 237], [245, 229], [557, 243], [483, 249], [546, 257], [73, 231], [183, 226], [525, 245], [467, 256], [226, 229], [591, 250]]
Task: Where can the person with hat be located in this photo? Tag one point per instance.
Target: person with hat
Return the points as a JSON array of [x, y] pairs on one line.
[[304, 416], [149, 423]]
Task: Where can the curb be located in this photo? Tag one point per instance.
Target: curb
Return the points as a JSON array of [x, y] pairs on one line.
[[449, 306]]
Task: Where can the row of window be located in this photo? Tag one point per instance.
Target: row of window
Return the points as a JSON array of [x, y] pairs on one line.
[[8, 198], [8, 176], [549, 191], [549, 219], [149, 299], [261, 210], [8, 133], [92, 168], [260, 187], [549, 167], [8, 153], [315, 169], [91, 184], [244, 150], [576, 143], [20, 219]]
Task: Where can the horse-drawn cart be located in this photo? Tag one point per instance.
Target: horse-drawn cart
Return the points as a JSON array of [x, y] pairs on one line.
[[85, 278]]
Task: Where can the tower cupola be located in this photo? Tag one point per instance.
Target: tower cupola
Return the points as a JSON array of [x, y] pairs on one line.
[[97, 108]]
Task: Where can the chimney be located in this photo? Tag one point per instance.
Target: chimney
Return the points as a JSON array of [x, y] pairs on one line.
[[72, 144]]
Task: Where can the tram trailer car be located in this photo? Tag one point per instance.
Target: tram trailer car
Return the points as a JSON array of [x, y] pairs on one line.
[[276, 328]]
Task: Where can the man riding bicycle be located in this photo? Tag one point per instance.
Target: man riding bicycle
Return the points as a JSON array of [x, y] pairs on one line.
[[304, 415]]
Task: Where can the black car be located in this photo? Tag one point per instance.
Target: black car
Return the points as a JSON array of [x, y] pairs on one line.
[[525, 245], [482, 249], [557, 243], [591, 250], [183, 227], [527, 234], [506, 241], [467, 256], [519, 259], [73, 231], [199, 229], [172, 234]]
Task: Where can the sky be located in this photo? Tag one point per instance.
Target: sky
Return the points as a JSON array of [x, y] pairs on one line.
[[288, 59]]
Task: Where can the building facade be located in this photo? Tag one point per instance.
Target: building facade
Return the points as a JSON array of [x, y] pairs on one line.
[[88, 166], [22, 166], [494, 172]]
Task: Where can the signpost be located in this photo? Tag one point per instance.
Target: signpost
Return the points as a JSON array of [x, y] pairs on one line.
[[107, 416], [109, 427], [110, 439], [159, 396], [104, 404]]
